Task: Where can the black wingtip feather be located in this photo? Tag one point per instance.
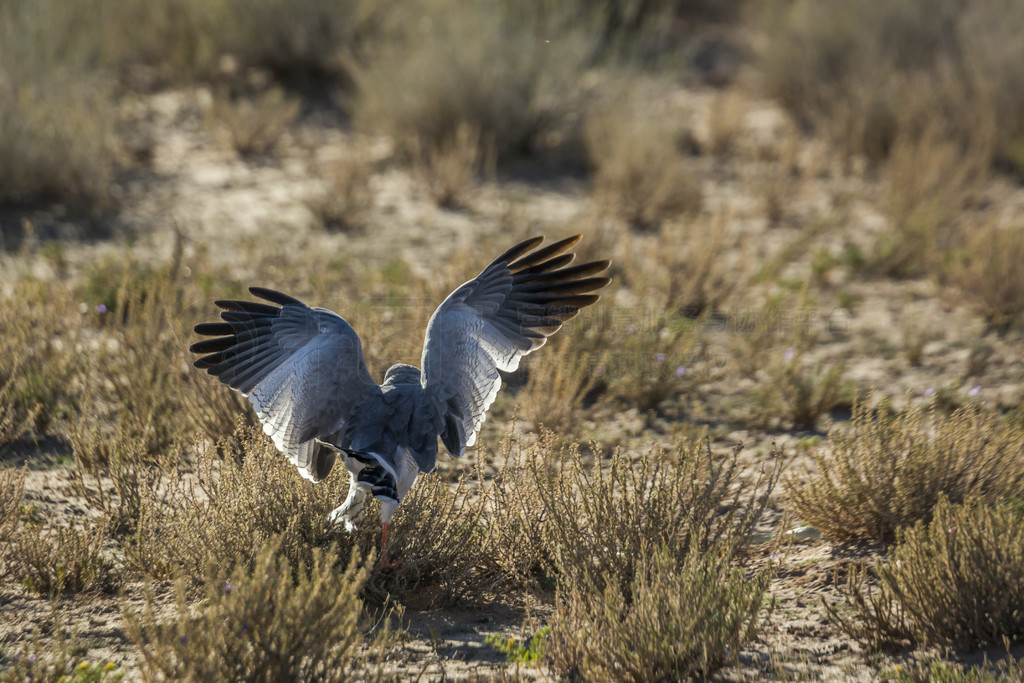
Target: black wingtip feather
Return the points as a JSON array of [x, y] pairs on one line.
[[276, 297], [212, 345], [213, 329], [542, 255], [519, 249]]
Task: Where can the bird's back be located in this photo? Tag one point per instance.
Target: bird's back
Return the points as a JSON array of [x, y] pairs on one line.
[[399, 416]]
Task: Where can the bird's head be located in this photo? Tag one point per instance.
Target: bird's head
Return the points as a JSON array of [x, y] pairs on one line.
[[401, 373]]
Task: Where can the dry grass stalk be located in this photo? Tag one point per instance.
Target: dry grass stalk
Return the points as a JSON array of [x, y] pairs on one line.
[[888, 470]]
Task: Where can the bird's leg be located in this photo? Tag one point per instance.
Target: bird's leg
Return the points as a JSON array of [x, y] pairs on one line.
[[352, 510], [385, 560]]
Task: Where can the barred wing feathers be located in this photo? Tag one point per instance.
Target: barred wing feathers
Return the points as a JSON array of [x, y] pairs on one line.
[[302, 369], [488, 324]]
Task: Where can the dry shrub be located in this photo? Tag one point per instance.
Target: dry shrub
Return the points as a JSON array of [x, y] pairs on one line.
[[115, 474], [796, 393], [203, 39], [640, 171], [929, 179], [889, 469], [642, 552], [309, 37], [344, 202], [440, 535], [58, 560], [56, 121], [57, 145], [230, 507], [725, 122], [688, 265], [870, 73], [988, 273], [12, 489], [15, 420], [139, 378], [675, 620], [488, 67], [450, 168], [938, 671], [956, 581], [561, 383], [263, 623], [599, 520], [252, 126], [39, 332]]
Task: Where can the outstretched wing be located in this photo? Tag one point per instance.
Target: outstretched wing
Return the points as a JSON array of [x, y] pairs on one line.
[[492, 321], [302, 369]]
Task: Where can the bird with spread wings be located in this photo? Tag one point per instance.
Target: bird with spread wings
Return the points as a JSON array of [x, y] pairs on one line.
[[303, 371]]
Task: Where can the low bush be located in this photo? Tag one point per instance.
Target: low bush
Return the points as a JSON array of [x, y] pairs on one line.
[[957, 580], [59, 560], [230, 508], [796, 393], [640, 171], [600, 520], [445, 66], [888, 469], [252, 125], [37, 385], [264, 622], [675, 620], [869, 75], [986, 273], [12, 490], [440, 534], [54, 662], [56, 120], [345, 199]]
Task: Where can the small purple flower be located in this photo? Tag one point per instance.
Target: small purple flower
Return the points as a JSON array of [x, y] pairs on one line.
[[183, 640], [228, 587], [600, 368], [680, 371], [101, 308], [974, 391], [773, 556], [788, 356], [660, 357], [245, 628], [32, 659], [929, 391]]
